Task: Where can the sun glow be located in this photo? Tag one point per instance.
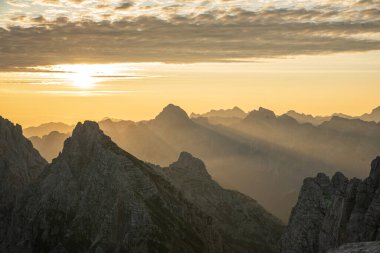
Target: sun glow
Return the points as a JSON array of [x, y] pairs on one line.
[[86, 76], [82, 76]]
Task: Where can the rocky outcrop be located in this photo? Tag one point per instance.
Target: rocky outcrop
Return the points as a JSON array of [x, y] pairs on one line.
[[242, 222], [332, 212], [20, 164]]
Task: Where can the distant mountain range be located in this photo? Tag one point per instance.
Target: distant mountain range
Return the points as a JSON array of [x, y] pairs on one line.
[[317, 120], [258, 152], [96, 197], [230, 116]]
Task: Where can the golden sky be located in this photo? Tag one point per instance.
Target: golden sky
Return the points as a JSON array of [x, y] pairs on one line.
[[70, 60]]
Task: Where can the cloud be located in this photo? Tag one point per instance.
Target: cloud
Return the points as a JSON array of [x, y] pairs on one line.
[[124, 6], [215, 35]]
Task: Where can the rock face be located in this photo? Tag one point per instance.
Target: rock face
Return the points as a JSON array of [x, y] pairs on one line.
[[241, 221], [332, 212], [20, 163], [95, 197]]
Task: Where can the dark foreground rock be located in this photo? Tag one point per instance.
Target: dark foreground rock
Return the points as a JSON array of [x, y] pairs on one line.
[[332, 212], [95, 197]]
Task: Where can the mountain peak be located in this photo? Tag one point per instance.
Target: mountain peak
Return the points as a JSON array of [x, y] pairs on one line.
[[87, 128], [261, 114], [86, 138], [191, 165], [173, 114]]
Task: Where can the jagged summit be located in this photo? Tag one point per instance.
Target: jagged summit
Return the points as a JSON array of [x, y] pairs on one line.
[[172, 114], [88, 130], [191, 164], [88, 141]]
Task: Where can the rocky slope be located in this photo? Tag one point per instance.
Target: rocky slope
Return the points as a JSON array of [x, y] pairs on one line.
[[20, 163], [332, 212], [95, 197], [241, 220]]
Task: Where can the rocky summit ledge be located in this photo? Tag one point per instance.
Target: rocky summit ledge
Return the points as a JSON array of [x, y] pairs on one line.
[[363, 247]]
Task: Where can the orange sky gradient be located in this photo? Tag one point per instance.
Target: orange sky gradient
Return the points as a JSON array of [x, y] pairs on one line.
[[320, 85]]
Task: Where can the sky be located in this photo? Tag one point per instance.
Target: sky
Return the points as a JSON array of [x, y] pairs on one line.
[[70, 60]]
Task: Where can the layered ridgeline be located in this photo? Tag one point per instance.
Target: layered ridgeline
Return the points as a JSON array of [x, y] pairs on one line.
[[259, 152], [333, 212], [20, 163], [96, 197]]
